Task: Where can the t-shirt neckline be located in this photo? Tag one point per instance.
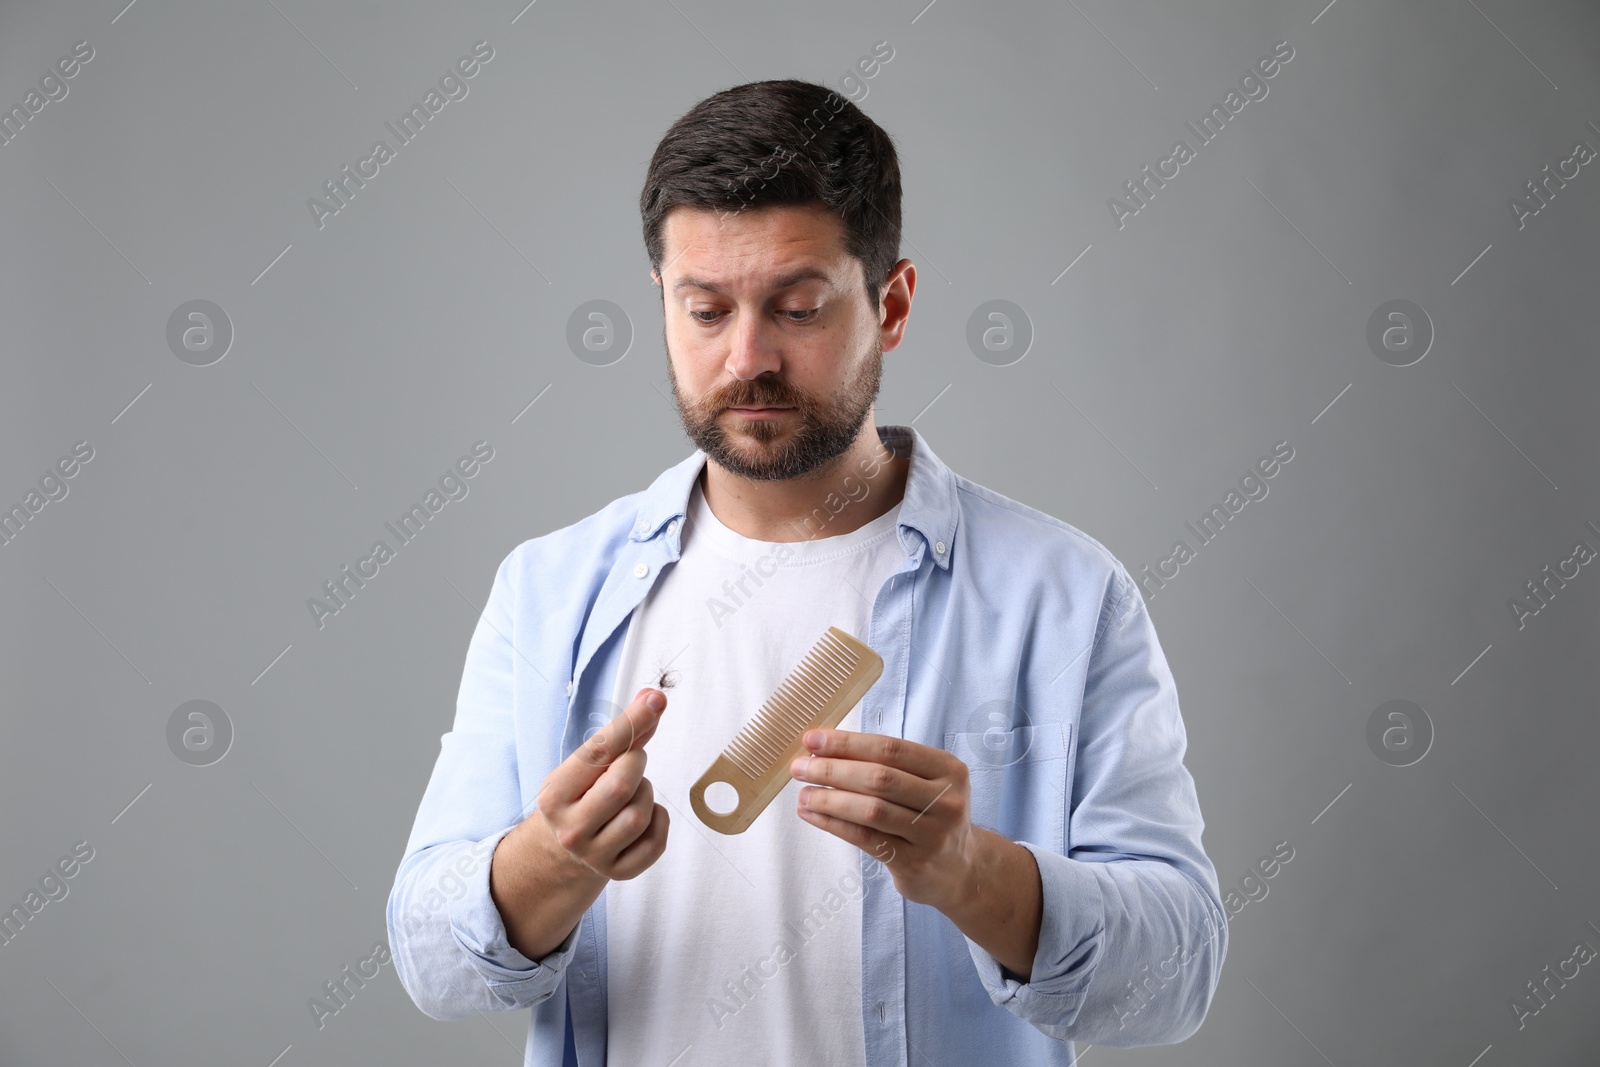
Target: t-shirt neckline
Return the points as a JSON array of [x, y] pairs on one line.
[[703, 522]]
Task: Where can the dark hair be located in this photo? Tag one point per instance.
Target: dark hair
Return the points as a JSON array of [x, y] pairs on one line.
[[781, 142]]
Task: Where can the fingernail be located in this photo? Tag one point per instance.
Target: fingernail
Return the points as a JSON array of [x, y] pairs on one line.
[[656, 701]]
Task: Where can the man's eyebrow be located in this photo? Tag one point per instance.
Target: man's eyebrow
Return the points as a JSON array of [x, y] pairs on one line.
[[795, 277]]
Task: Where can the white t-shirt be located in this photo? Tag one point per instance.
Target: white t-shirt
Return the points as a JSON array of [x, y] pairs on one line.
[[740, 948]]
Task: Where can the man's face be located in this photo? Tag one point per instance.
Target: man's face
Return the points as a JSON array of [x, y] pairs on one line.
[[744, 329]]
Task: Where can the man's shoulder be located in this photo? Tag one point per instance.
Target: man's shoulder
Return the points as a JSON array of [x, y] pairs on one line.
[[1035, 538]]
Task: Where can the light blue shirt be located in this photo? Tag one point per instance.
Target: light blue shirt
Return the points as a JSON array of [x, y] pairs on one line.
[[1008, 637]]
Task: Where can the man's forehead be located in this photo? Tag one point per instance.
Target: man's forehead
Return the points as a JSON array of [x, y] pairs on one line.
[[772, 247], [722, 282]]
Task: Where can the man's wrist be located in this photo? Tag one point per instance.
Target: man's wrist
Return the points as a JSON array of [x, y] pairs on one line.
[[536, 875], [975, 888], [994, 906]]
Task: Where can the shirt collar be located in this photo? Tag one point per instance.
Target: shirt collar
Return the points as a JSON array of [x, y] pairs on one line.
[[928, 507]]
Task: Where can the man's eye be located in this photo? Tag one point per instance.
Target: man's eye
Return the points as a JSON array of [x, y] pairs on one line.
[[795, 315]]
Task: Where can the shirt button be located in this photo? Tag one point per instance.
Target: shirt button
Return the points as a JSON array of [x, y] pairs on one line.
[[569, 689], [672, 527], [938, 546], [640, 570]]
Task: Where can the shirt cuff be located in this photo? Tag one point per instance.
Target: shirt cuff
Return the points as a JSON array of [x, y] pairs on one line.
[[1071, 928], [480, 930]]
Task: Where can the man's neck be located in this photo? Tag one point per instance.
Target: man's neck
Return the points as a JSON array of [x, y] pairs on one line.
[[856, 487]]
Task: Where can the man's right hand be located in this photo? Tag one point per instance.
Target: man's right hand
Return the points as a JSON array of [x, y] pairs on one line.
[[597, 819], [599, 807]]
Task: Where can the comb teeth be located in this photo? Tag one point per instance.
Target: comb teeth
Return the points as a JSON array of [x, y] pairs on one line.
[[790, 709]]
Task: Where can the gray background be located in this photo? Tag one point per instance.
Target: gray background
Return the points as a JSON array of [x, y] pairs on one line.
[[1229, 314]]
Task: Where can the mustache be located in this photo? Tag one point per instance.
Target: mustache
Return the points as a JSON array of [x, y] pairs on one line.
[[753, 395]]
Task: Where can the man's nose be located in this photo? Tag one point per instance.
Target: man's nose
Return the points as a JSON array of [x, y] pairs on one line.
[[752, 351]]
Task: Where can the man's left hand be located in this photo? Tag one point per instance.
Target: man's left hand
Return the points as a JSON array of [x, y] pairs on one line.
[[903, 803]]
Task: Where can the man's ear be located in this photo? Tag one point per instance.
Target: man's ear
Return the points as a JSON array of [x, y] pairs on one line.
[[655, 277]]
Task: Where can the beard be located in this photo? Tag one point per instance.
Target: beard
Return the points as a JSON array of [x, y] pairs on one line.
[[789, 445]]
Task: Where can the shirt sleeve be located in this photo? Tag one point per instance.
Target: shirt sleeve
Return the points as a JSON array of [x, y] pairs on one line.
[[1133, 933], [446, 934]]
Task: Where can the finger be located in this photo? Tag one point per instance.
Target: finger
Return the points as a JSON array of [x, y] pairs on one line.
[[924, 761], [635, 725], [628, 729], [874, 813], [633, 860], [873, 842], [610, 793], [641, 724], [624, 828], [873, 779]]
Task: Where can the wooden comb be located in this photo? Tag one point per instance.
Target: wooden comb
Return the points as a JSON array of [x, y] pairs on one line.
[[820, 692]]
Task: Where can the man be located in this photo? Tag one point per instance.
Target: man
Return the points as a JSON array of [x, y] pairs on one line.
[[996, 853]]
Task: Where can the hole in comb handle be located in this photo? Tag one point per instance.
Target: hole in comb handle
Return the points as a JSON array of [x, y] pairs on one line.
[[722, 798]]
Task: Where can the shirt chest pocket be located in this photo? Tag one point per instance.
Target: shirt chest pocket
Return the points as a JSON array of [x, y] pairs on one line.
[[1020, 779]]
